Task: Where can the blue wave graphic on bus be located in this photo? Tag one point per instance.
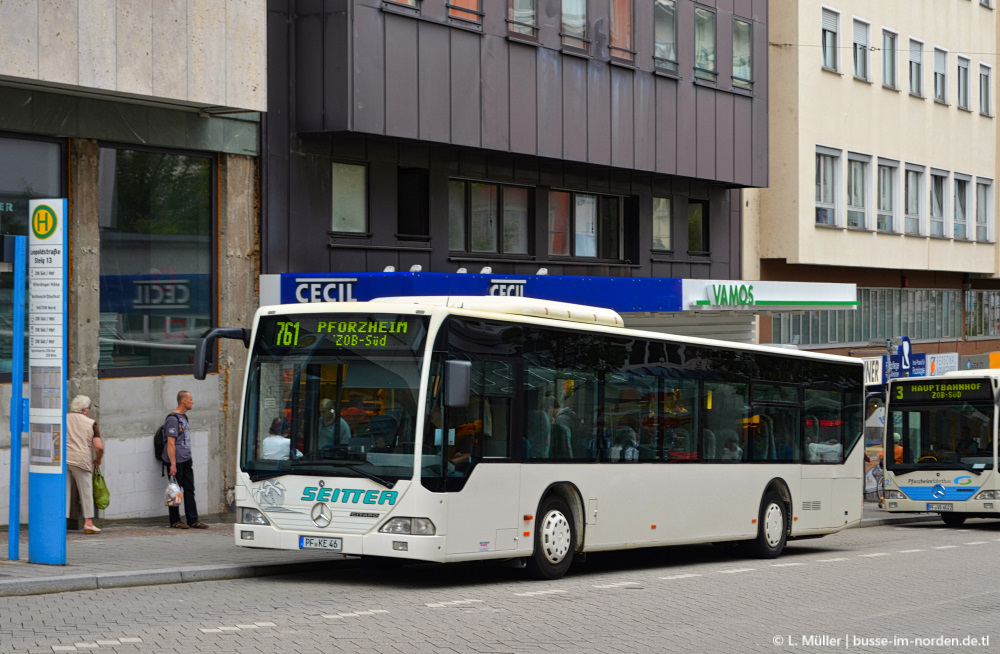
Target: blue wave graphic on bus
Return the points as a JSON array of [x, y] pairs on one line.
[[950, 494]]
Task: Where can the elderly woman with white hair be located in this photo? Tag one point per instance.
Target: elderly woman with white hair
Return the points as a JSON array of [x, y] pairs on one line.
[[84, 450]]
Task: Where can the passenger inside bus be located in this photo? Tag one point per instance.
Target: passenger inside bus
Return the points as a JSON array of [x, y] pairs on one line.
[[332, 432], [277, 446]]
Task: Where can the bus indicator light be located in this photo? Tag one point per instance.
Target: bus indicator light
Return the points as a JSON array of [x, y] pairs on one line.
[[528, 517]]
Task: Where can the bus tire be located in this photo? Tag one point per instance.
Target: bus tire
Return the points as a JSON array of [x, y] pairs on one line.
[[954, 519], [555, 540], [772, 528]]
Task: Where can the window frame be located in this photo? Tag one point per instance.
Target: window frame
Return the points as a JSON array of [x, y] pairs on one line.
[[830, 40], [916, 68], [661, 62], [891, 225], [889, 59], [457, 11], [571, 226], [860, 50], [985, 98], [573, 42], [834, 185], [936, 223], [962, 78], [940, 75], [659, 221], [617, 50], [518, 28], [365, 229], [745, 83], [706, 219], [213, 255], [917, 196], [960, 227], [500, 213], [987, 215], [700, 72], [864, 161]]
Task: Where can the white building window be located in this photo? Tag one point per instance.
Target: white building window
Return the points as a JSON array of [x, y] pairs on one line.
[[985, 98], [857, 190], [831, 43], [350, 198], [861, 50], [939, 201], [961, 200], [940, 75], [916, 67], [827, 164], [913, 193], [963, 83], [888, 173], [888, 59], [984, 210]]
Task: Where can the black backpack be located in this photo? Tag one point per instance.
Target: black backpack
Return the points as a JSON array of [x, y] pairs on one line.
[[159, 442]]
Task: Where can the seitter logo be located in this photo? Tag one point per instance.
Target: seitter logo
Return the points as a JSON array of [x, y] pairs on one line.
[[348, 495]]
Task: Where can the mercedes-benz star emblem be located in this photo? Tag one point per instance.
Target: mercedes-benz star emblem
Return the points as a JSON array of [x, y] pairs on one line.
[[321, 515], [937, 492]]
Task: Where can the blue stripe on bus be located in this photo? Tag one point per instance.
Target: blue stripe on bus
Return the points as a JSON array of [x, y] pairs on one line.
[[952, 494]]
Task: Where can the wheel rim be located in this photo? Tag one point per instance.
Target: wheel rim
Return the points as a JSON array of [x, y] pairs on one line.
[[774, 524], [555, 537]]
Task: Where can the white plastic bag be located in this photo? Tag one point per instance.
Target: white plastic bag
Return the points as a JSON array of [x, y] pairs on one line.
[[173, 495]]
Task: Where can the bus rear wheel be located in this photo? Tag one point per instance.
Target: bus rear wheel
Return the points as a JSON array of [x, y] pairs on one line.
[[555, 540], [772, 528], [953, 519]]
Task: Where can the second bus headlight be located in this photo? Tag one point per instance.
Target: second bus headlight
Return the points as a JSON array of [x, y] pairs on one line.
[[895, 495], [988, 495], [411, 526], [252, 517]]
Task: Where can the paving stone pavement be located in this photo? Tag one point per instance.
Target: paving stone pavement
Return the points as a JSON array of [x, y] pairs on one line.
[[131, 554]]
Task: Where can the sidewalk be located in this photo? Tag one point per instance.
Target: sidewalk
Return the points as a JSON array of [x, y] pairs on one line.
[[149, 554]]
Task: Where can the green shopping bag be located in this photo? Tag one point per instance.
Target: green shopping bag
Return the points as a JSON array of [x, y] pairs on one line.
[[101, 495]]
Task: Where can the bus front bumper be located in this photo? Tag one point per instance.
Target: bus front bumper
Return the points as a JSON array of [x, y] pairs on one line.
[[421, 548]]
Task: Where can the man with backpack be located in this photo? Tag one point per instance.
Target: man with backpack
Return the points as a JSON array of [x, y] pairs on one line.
[[177, 454]]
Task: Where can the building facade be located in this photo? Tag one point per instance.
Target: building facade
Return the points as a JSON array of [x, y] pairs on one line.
[[883, 169], [576, 139], [145, 117]]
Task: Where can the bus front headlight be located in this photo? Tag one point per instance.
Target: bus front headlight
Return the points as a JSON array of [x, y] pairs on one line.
[[252, 517], [895, 495], [411, 526], [987, 495]]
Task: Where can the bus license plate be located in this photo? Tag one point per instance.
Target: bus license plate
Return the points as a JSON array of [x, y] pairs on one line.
[[311, 543], [931, 506]]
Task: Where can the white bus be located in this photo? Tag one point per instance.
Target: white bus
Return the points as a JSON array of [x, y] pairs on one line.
[[453, 429], [940, 453]]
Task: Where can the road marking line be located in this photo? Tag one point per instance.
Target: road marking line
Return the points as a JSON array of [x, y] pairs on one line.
[[63, 648], [347, 615], [333, 617], [259, 624], [945, 547], [229, 628], [248, 626], [977, 542], [539, 592], [210, 631], [87, 645], [108, 642], [910, 551], [378, 611], [875, 554], [619, 585], [130, 640], [843, 558], [687, 576], [730, 572], [785, 565]]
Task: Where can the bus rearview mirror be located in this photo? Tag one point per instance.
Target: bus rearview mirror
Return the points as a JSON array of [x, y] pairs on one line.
[[457, 383]]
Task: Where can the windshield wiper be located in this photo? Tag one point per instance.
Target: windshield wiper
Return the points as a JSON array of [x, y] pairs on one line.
[[270, 474], [318, 467], [373, 477]]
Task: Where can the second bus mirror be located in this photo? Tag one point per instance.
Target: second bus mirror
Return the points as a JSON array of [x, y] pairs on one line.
[[457, 383]]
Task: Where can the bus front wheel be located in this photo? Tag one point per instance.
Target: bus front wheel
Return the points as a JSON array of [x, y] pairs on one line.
[[953, 519], [555, 540], [772, 528]]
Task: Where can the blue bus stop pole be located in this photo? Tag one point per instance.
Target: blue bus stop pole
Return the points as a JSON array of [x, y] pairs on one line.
[[18, 410]]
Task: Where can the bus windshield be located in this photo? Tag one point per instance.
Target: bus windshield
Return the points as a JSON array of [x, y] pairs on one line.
[[940, 434], [333, 395]]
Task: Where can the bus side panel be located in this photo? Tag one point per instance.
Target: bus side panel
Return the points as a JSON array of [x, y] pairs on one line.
[[483, 516]]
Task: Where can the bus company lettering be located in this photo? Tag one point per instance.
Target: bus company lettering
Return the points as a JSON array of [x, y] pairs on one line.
[[731, 295], [348, 495], [923, 481], [507, 287], [325, 290]]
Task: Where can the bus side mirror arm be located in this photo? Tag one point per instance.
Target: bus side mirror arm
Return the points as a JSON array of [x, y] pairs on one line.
[[204, 349]]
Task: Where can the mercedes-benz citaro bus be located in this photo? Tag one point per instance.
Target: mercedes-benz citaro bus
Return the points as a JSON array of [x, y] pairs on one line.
[[461, 428], [940, 446]]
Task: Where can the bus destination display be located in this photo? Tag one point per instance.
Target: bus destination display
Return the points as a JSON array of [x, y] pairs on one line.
[[965, 390], [370, 332]]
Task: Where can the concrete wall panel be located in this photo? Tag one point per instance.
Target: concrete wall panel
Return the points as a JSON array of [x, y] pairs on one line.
[[134, 52], [58, 41]]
